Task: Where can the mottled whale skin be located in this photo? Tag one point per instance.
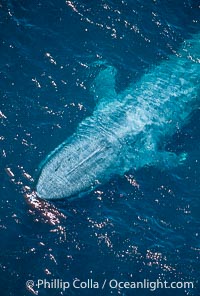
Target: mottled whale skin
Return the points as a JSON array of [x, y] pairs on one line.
[[128, 129]]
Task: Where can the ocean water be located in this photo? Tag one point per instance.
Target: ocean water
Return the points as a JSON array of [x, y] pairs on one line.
[[142, 226]]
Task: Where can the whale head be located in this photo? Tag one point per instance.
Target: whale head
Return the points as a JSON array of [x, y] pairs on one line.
[[76, 167]]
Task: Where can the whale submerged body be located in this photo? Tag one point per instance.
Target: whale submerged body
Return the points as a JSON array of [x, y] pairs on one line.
[[126, 130]]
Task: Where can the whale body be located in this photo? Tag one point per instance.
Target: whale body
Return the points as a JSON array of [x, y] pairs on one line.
[[127, 130]]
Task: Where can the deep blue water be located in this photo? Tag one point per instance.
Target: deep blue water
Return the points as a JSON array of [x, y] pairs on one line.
[[144, 225]]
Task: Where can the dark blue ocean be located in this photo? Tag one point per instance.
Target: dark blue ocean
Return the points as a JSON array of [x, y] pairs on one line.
[[142, 226]]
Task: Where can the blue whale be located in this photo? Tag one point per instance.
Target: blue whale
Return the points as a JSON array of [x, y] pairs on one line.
[[127, 129]]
